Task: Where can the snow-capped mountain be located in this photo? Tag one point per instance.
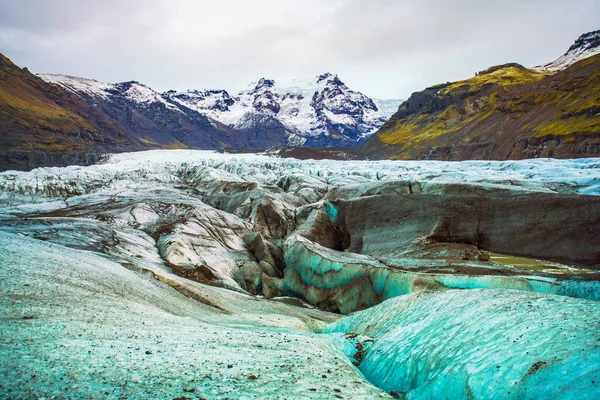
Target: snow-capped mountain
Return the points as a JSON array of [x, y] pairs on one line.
[[585, 46], [149, 115], [322, 111], [132, 91], [318, 112]]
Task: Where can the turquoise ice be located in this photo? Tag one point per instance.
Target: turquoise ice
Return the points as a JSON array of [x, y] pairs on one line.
[[480, 344]]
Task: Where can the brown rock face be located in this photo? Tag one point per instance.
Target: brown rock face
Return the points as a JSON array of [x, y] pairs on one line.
[[273, 217], [267, 254], [318, 228]]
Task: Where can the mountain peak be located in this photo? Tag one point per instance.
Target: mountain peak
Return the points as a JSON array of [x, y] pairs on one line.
[[328, 77], [264, 82], [586, 41], [495, 68], [585, 46], [324, 76]]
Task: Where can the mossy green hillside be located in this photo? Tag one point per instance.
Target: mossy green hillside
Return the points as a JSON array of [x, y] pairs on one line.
[[506, 111]]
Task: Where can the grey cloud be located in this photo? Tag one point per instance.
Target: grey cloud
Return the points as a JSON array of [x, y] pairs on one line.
[[385, 48]]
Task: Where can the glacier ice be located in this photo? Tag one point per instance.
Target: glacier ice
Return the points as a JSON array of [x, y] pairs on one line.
[[346, 282], [193, 256], [479, 344], [75, 324]]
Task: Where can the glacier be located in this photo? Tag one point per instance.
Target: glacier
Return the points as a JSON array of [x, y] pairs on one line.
[[75, 324], [478, 344], [194, 273]]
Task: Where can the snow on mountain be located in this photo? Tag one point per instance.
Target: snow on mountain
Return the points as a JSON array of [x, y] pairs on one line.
[[139, 93], [77, 85], [132, 91], [321, 111], [306, 109], [203, 101], [585, 46], [150, 116]]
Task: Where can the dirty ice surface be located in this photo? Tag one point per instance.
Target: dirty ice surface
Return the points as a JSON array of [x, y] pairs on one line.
[[163, 274]]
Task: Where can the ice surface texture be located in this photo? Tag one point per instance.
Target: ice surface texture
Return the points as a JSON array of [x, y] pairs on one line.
[[76, 325], [539, 175], [146, 276], [481, 344]]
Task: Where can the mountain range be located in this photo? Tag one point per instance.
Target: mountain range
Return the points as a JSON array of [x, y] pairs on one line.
[[147, 115], [52, 119], [318, 112], [505, 111]]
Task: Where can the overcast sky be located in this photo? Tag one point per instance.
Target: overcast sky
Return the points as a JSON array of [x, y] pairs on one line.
[[384, 48]]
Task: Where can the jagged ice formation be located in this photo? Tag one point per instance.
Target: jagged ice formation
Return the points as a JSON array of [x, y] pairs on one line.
[[195, 272]]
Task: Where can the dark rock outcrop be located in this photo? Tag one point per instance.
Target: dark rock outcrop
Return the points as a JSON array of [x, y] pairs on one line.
[[586, 45], [388, 222]]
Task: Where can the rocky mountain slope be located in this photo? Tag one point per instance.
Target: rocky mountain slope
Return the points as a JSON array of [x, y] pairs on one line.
[[323, 112], [149, 116], [42, 124], [318, 112], [504, 112], [72, 120], [585, 46]]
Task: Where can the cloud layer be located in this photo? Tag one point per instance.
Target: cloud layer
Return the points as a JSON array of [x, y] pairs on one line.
[[385, 48]]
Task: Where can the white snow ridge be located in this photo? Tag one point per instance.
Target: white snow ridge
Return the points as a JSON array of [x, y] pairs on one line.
[[585, 46], [305, 108]]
